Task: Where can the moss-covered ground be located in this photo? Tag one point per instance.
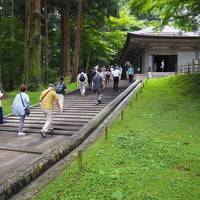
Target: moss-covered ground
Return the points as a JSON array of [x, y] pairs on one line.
[[153, 154]]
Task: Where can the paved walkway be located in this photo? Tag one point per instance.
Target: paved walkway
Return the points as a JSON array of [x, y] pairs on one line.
[[17, 153]]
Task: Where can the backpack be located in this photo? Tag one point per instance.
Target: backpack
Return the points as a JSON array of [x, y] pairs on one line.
[[108, 74], [59, 88], [82, 78]]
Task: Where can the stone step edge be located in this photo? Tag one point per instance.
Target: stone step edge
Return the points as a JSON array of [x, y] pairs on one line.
[[31, 190], [49, 158]]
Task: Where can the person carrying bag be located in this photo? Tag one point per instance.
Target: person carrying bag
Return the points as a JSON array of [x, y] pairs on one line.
[[26, 108], [21, 107]]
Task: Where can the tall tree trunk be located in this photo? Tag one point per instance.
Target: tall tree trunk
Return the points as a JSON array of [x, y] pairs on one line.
[[46, 44], [88, 61], [78, 41], [1, 64], [32, 61], [66, 39]]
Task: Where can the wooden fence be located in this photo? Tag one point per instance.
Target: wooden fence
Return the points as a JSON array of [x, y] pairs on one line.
[[188, 68]]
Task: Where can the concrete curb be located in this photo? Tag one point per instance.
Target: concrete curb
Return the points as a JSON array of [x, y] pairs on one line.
[[30, 191], [55, 154]]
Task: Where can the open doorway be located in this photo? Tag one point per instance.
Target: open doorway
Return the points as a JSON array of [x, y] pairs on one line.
[[169, 61]]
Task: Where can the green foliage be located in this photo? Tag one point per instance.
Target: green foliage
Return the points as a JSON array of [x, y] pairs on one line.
[[152, 154], [105, 43], [188, 85], [184, 13], [11, 51]]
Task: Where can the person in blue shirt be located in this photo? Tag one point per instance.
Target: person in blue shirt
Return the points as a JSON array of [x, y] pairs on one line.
[[130, 73], [21, 102]]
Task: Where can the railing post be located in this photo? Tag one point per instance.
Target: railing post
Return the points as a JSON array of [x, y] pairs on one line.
[[80, 159], [131, 104], [193, 68], [122, 115], [185, 68], [106, 133], [188, 66]]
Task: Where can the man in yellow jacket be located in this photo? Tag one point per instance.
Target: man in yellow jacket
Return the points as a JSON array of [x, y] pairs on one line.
[[47, 99]]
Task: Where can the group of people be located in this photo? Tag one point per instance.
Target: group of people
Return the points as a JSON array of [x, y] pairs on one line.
[[53, 94], [113, 72], [97, 79]]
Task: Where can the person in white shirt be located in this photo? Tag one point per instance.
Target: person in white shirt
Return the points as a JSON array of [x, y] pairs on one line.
[[120, 69], [82, 79], [116, 75], [162, 66]]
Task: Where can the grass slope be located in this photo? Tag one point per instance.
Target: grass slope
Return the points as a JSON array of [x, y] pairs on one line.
[[153, 154]]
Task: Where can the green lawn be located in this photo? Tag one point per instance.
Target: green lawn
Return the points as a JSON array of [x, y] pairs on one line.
[[34, 97], [153, 154]]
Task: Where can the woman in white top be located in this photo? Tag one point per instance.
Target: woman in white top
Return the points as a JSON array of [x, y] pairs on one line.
[[21, 102]]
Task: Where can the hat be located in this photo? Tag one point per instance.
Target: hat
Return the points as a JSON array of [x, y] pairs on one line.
[[51, 85]]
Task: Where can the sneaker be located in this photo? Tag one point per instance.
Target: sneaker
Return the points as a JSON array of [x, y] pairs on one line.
[[43, 134], [21, 134]]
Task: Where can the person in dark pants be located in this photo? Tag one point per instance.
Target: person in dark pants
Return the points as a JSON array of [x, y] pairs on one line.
[[1, 109], [130, 73], [60, 91], [97, 82], [90, 76], [116, 76]]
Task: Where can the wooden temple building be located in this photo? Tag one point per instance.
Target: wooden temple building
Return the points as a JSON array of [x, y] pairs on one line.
[[146, 49]]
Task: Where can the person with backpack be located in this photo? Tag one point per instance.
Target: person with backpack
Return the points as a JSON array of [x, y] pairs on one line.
[[82, 80], [47, 99], [60, 91], [107, 78], [20, 106]]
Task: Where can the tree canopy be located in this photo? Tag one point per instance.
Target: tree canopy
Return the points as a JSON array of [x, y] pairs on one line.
[[182, 13], [39, 48], [103, 33]]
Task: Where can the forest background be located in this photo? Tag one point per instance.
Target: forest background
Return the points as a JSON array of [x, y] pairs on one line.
[[43, 39]]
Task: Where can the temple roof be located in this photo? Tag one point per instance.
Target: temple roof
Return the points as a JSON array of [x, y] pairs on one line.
[[166, 31], [169, 38]]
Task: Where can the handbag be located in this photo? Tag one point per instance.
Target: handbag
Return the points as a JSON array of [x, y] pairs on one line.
[[26, 109]]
